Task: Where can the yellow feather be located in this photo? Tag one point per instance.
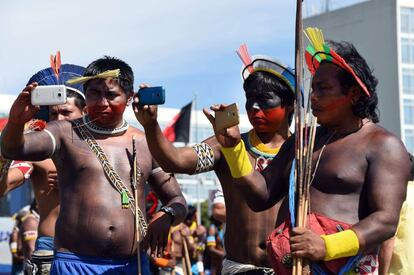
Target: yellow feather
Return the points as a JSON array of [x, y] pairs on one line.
[[106, 74], [315, 37]]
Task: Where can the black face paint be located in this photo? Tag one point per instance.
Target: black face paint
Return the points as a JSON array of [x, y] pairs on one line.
[[264, 100]]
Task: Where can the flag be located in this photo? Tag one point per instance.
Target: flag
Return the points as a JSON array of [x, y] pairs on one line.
[[179, 128], [3, 122]]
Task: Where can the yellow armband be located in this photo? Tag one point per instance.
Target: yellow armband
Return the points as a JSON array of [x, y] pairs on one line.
[[341, 245], [238, 160]]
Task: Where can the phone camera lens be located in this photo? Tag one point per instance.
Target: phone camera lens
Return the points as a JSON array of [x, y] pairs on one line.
[[59, 94]]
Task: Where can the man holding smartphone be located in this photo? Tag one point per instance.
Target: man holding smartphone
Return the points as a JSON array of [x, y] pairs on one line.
[[42, 174], [269, 90], [98, 169]]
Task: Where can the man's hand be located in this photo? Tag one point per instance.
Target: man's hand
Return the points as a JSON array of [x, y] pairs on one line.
[[22, 109], [228, 137], [147, 114], [157, 234], [304, 243]]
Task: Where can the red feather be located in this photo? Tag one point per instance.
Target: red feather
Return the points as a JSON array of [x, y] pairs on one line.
[[244, 55]]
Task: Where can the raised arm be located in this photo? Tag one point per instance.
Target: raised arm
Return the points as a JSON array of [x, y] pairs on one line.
[[173, 159], [261, 191], [387, 178], [32, 146]]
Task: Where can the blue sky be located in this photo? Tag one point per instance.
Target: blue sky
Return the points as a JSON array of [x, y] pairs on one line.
[[187, 46]]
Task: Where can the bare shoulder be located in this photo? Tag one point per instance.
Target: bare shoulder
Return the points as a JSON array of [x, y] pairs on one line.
[[380, 141]]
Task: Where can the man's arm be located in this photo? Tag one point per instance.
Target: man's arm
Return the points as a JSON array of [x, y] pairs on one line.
[[167, 189], [15, 176], [387, 177], [219, 212], [189, 160], [29, 235], [33, 146], [212, 243], [385, 185], [219, 205]]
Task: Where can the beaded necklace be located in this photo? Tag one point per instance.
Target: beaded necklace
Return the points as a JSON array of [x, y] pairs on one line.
[[104, 131]]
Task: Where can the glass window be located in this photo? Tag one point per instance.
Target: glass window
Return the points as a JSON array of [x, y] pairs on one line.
[[409, 140], [409, 111], [407, 20], [408, 81], [407, 50]]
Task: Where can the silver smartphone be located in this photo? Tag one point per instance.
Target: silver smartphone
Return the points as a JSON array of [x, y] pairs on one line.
[[49, 95]]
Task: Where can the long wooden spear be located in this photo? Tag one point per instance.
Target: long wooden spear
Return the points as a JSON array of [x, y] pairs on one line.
[[135, 186], [297, 267]]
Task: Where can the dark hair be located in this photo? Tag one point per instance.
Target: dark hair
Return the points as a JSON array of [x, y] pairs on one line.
[[261, 81], [79, 100], [126, 77], [191, 212], [366, 106]]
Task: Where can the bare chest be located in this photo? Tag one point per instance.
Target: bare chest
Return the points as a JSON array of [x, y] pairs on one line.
[[340, 167], [83, 159]]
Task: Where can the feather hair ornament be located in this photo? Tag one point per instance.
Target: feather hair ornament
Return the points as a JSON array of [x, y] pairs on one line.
[[48, 76], [55, 63], [107, 74], [318, 51], [265, 63], [244, 55]]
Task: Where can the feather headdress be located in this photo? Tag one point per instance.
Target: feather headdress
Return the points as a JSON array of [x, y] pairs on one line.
[[318, 51], [265, 63], [57, 74]]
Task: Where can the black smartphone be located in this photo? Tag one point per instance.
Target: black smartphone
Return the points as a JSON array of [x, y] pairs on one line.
[[151, 96]]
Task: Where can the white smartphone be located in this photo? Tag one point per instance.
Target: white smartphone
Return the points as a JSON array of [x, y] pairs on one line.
[[49, 95]]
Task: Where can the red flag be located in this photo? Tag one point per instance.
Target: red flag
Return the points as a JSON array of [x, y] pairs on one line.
[[3, 122], [179, 128]]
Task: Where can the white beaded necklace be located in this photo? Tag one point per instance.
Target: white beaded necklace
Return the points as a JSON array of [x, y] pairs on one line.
[[104, 131]]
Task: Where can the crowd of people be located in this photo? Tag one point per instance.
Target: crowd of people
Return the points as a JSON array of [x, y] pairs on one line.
[[89, 169]]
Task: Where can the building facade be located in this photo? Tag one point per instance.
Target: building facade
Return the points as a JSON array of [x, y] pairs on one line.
[[383, 33]]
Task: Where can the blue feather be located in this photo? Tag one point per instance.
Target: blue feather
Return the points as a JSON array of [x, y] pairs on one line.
[[66, 72]]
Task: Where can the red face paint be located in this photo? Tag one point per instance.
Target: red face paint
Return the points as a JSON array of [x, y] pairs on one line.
[[267, 121], [105, 106], [337, 103]]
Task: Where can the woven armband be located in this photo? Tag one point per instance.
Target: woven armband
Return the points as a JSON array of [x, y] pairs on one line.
[[341, 245], [205, 157], [211, 241], [24, 167], [238, 160], [30, 235], [13, 247]]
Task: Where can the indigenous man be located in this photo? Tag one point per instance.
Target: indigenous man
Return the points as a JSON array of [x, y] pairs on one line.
[[15, 242], [95, 230], [218, 208], [182, 246], [42, 174], [360, 170], [269, 87], [28, 231]]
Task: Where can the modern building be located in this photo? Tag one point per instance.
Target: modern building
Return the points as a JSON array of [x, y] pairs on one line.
[[383, 32]]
